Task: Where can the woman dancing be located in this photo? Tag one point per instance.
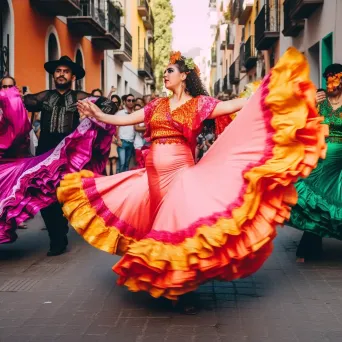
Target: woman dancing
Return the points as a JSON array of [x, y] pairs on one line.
[[319, 208], [178, 224]]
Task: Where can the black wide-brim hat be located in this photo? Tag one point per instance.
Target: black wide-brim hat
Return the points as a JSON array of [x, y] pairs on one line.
[[77, 70]]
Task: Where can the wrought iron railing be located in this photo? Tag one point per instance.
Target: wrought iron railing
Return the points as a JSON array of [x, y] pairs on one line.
[[4, 56], [242, 57], [114, 19], [266, 21], [230, 36], [236, 8], [213, 55], [128, 42], [88, 9], [225, 83], [234, 71], [250, 51], [217, 87], [145, 61]]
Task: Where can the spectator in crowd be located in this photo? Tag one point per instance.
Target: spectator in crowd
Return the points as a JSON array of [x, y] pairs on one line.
[[147, 99], [112, 92], [117, 100], [97, 92], [139, 141], [123, 98], [7, 82], [125, 136], [140, 102], [113, 157]]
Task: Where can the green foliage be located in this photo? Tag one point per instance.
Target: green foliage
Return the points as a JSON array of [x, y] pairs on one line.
[[163, 18]]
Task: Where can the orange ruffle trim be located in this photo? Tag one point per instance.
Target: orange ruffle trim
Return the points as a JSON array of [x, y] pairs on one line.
[[237, 247], [84, 219]]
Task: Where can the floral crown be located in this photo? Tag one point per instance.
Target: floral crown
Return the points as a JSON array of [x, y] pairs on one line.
[[189, 62], [333, 81]]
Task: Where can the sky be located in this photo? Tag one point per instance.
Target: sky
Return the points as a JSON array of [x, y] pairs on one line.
[[191, 25]]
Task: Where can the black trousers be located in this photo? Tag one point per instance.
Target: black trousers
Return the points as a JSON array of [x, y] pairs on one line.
[[57, 225]]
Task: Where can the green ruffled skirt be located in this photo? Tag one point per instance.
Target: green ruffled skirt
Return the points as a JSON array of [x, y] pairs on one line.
[[319, 207]]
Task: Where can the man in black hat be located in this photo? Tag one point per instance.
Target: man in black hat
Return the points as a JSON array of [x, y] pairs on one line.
[[59, 118]]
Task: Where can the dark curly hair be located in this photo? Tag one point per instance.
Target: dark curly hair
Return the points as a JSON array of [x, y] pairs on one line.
[[193, 83], [332, 69]]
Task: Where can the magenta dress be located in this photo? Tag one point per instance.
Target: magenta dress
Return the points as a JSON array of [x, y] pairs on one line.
[[29, 184]]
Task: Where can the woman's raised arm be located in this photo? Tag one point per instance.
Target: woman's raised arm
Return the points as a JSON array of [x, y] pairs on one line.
[[89, 109], [227, 107]]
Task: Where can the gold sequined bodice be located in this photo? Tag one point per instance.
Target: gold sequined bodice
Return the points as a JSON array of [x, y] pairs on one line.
[[162, 129]]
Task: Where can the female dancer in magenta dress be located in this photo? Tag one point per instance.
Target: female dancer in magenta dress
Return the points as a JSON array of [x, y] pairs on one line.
[[319, 208], [177, 224], [29, 184]]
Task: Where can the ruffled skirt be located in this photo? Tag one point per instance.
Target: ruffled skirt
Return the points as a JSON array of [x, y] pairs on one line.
[[29, 184], [177, 224], [319, 206]]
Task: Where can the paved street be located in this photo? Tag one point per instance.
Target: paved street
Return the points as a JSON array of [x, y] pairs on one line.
[[74, 298]]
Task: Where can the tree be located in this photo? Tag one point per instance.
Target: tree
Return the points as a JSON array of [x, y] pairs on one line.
[[163, 18]]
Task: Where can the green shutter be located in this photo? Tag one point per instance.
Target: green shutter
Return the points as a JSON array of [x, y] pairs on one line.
[[327, 55]]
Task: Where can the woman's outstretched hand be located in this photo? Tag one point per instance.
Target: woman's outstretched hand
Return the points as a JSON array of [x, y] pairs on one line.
[[88, 109]]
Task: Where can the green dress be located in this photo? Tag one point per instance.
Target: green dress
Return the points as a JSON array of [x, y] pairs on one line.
[[319, 207]]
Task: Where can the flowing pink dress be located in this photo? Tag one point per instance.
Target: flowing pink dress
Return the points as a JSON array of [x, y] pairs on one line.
[[178, 224], [29, 184]]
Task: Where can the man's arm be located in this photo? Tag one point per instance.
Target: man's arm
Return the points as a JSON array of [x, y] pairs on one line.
[[33, 102]]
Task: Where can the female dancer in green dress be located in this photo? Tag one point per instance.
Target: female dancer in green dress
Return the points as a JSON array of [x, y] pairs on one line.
[[319, 208]]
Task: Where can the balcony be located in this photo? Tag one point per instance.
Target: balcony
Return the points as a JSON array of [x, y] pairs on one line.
[[90, 21], [226, 88], [148, 21], [223, 45], [230, 38], [242, 67], [267, 27], [250, 57], [235, 9], [143, 8], [213, 57], [111, 39], [292, 27], [145, 64], [125, 53], [217, 88], [57, 7], [302, 9], [234, 72], [246, 7]]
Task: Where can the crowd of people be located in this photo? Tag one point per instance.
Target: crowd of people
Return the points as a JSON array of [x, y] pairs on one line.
[[127, 144]]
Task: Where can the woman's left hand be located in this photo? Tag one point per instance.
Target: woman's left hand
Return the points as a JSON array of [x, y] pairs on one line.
[[88, 109]]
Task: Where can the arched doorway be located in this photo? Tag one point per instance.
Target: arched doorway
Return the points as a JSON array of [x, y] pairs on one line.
[[6, 39], [79, 61], [52, 55]]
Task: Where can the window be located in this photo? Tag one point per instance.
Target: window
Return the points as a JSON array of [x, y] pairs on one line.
[[79, 60], [102, 75], [52, 56], [118, 84]]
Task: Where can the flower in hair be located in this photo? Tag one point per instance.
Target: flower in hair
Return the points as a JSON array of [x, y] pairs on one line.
[[175, 56], [333, 81], [189, 62]]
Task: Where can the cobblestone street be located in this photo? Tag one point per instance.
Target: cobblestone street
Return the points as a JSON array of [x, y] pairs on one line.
[[73, 297]]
